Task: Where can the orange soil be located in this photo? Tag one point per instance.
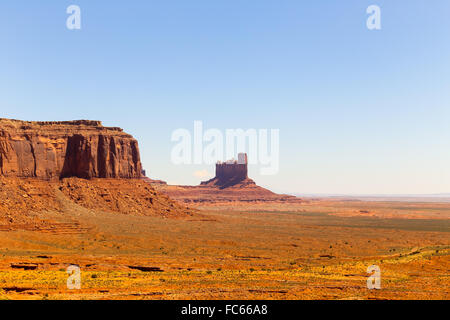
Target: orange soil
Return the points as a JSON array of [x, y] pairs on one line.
[[22, 201], [127, 249]]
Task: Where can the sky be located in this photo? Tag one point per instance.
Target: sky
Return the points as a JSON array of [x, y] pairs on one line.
[[359, 111]]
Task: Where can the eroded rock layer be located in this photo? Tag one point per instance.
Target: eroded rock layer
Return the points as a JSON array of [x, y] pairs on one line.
[[34, 204], [54, 150]]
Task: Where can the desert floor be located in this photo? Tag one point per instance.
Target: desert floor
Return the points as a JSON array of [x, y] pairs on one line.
[[316, 250]]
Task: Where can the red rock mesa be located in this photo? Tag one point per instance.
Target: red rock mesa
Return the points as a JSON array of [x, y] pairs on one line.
[[53, 150], [48, 167]]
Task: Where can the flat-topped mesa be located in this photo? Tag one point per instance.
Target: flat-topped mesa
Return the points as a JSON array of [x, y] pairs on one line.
[[60, 149], [57, 125], [231, 173]]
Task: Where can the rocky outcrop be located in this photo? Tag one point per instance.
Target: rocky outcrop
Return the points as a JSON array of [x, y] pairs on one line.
[[230, 185], [230, 173], [55, 150]]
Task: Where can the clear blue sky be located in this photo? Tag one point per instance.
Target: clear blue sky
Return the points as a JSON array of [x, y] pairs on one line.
[[359, 111]]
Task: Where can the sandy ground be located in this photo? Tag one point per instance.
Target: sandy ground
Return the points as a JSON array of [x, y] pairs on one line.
[[319, 250]]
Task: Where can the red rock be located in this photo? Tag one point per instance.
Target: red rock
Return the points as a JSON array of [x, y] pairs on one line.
[[229, 175], [231, 184], [54, 150]]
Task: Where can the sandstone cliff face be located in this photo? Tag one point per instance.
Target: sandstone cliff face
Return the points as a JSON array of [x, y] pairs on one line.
[[55, 150]]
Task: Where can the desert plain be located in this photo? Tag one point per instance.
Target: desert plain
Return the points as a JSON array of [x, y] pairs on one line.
[[316, 249], [74, 193]]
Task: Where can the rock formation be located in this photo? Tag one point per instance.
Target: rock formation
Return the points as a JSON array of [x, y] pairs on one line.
[[63, 167], [231, 173], [55, 150], [231, 184]]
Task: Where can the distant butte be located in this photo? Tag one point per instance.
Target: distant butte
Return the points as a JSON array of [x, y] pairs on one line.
[[231, 184], [231, 174]]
